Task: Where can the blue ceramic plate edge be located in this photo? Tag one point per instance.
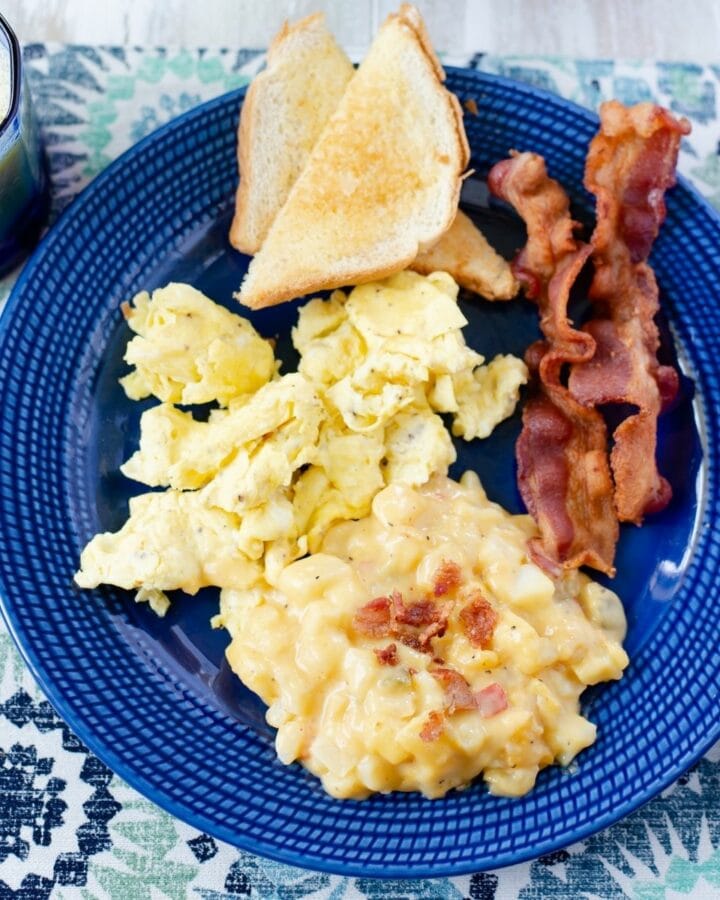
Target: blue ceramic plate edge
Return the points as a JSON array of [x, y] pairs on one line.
[[135, 779]]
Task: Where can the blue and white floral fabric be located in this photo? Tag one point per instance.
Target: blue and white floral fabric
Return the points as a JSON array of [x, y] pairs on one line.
[[69, 828]]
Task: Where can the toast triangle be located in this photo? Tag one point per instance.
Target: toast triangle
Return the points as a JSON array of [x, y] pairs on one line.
[[463, 252], [285, 109], [381, 183]]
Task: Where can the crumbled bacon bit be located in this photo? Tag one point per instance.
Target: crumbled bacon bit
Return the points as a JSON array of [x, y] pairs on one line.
[[491, 700], [391, 617], [447, 577], [423, 612], [433, 727], [387, 656], [436, 628], [374, 619], [478, 620], [458, 693], [412, 641]]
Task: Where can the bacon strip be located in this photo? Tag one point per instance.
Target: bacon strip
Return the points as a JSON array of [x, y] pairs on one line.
[[630, 165], [563, 472]]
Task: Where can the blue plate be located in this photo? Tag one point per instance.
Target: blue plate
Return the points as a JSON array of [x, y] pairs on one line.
[[154, 698]]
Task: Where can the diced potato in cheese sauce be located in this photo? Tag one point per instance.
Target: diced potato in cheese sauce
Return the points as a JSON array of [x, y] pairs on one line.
[[360, 724]]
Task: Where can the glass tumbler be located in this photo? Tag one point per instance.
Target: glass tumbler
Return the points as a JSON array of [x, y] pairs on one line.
[[24, 183]]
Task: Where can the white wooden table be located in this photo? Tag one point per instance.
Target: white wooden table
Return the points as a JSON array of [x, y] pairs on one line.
[[660, 29]]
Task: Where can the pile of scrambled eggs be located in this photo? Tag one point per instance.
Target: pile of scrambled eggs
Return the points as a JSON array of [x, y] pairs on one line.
[[370, 709], [283, 457]]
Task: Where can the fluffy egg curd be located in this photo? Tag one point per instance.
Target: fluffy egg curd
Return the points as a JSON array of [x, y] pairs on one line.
[[389, 617], [188, 349], [419, 647]]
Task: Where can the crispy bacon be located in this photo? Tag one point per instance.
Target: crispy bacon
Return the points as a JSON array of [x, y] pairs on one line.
[[447, 577], [478, 620], [630, 165], [437, 628], [458, 693], [417, 614], [387, 656], [411, 640], [460, 696], [563, 471], [374, 618], [425, 614], [433, 727], [414, 625]]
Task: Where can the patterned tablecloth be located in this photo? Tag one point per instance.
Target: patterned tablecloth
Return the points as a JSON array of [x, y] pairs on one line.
[[69, 828]]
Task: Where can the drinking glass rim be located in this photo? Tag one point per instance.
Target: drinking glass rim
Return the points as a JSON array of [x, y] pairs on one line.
[[15, 73]]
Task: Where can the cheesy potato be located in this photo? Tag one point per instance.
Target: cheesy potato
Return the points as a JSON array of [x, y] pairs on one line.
[[420, 647], [284, 457]]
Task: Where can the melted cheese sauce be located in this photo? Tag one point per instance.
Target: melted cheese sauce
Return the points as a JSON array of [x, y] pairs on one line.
[[360, 725]]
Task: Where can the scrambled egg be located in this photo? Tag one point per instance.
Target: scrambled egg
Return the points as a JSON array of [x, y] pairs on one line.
[[172, 539], [190, 350], [241, 454], [371, 711], [398, 343], [259, 483]]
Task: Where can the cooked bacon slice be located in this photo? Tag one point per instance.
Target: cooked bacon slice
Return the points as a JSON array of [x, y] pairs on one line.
[[630, 165], [563, 471], [447, 577], [478, 620], [412, 624], [387, 656], [433, 727], [459, 695]]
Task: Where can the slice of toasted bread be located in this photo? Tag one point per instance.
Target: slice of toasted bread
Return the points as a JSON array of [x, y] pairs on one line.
[[381, 183], [285, 109], [463, 252]]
